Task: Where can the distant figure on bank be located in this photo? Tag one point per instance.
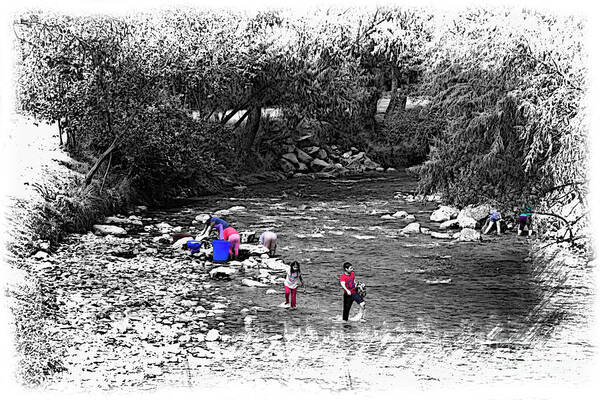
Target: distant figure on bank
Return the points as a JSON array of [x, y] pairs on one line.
[[494, 218], [525, 221], [291, 284], [348, 283], [269, 240], [213, 223], [233, 237]]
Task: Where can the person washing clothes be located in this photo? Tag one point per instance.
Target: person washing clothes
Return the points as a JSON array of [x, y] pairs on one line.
[[269, 240], [212, 223]]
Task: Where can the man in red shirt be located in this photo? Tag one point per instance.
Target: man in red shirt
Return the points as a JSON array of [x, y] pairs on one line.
[[348, 283]]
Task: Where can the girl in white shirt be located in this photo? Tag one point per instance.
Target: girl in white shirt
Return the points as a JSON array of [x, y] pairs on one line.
[[291, 284]]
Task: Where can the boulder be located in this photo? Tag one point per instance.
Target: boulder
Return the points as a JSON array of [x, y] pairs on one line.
[[400, 214], [303, 157], [222, 272], [163, 227], [275, 264], [390, 169], [253, 249], [467, 235], [302, 167], [370, 164], [312, 150], [465, 221], [453, 223], [109, 230], [140, 209], [347, 154], [380, 169], [291, 157], [286, 166], [440, 235], [387, 216], [322, 154], [478, 213], [318, 164], [252, 283], [123, 221], [40, 255], [444, 213], [413, 227], [212, 335]]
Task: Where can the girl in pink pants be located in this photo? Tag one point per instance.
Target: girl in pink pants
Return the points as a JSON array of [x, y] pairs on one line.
[[231, 235], [291, 284]]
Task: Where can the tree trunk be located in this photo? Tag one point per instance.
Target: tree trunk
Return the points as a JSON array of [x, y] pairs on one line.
[[60, 132], [394, 94], [249, 132], [92, 171]]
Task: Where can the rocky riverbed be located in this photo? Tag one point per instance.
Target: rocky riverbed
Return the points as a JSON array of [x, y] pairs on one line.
[[133, 311]]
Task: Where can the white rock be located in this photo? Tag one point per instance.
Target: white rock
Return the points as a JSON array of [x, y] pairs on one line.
[[253, 283], [387, 216], [276, 264], [400, 214], [477, 213], [410, 216], [40, 255], [465, 221], [254, 249], [438, 235], [449, 224], [444, 213], [468, 235], [236, 209], [178, 244], [271, 291], [109, 230], [212, 335], [413, 227], [222, 271], [163, 227]]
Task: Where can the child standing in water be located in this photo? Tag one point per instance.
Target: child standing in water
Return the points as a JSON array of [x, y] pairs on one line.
[[291, 284]]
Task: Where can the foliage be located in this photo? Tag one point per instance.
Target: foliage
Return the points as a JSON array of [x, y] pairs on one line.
[[404, 138], [509, 86]]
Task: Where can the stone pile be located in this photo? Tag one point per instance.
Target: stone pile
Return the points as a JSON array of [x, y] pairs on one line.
[[324, 161]]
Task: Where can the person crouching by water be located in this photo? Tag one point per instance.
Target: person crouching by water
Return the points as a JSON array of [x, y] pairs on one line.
[[233, 237], [269, 240], [347, 280], [525, 221], [212, 223], [494, 218], [291, 284]]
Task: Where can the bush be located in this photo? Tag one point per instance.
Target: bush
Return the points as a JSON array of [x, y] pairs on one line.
[[404, 138]]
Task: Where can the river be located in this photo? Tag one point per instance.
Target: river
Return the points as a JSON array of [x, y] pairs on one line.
[[440, 313]]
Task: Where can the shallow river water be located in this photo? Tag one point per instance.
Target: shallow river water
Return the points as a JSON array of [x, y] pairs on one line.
[[498, 319]]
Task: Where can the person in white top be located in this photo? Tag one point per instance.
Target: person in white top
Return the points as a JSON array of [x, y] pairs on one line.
[[291, 284], [269, 240]]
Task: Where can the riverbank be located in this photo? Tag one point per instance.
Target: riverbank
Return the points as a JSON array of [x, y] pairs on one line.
[[138, 314]]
